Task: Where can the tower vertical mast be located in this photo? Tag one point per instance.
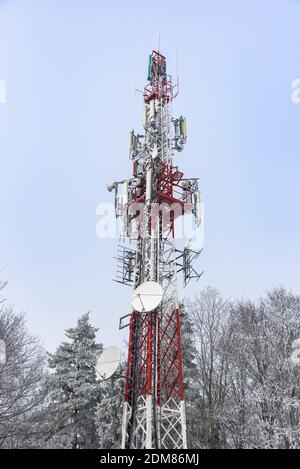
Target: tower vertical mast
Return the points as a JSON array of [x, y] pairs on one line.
[[152, 200]]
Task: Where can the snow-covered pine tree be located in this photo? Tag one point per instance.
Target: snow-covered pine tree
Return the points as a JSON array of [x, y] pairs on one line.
[[74, 390], [109, 411]]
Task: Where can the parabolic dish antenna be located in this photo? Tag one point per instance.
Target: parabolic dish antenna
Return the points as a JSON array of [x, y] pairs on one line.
[[2, 352], [107, 363], [147, 296]]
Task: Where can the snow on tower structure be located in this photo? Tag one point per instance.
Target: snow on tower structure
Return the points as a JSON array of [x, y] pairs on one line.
[[149, 203]]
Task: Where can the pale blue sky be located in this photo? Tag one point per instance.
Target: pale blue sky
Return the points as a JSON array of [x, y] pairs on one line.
[[70, 67]]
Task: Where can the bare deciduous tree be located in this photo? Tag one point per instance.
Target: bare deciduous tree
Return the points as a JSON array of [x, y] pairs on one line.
[[249, 383], [21, 394], [209, 313]]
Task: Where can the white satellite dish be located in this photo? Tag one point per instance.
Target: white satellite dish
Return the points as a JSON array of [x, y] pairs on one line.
[[2, 352], [108, 362], [147, 296]]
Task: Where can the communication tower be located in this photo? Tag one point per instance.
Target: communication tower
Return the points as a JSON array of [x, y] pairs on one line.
[[149, 203]]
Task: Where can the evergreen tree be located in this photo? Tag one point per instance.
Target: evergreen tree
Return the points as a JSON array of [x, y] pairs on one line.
[[74, 391], [109, 411]]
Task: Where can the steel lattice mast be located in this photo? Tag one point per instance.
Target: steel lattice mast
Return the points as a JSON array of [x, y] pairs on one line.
[[152, 200]]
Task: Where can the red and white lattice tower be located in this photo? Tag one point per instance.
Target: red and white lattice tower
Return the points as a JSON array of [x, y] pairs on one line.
[[151, 201]]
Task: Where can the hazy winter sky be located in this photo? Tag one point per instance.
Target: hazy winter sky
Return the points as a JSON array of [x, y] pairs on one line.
[[70, 67]]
